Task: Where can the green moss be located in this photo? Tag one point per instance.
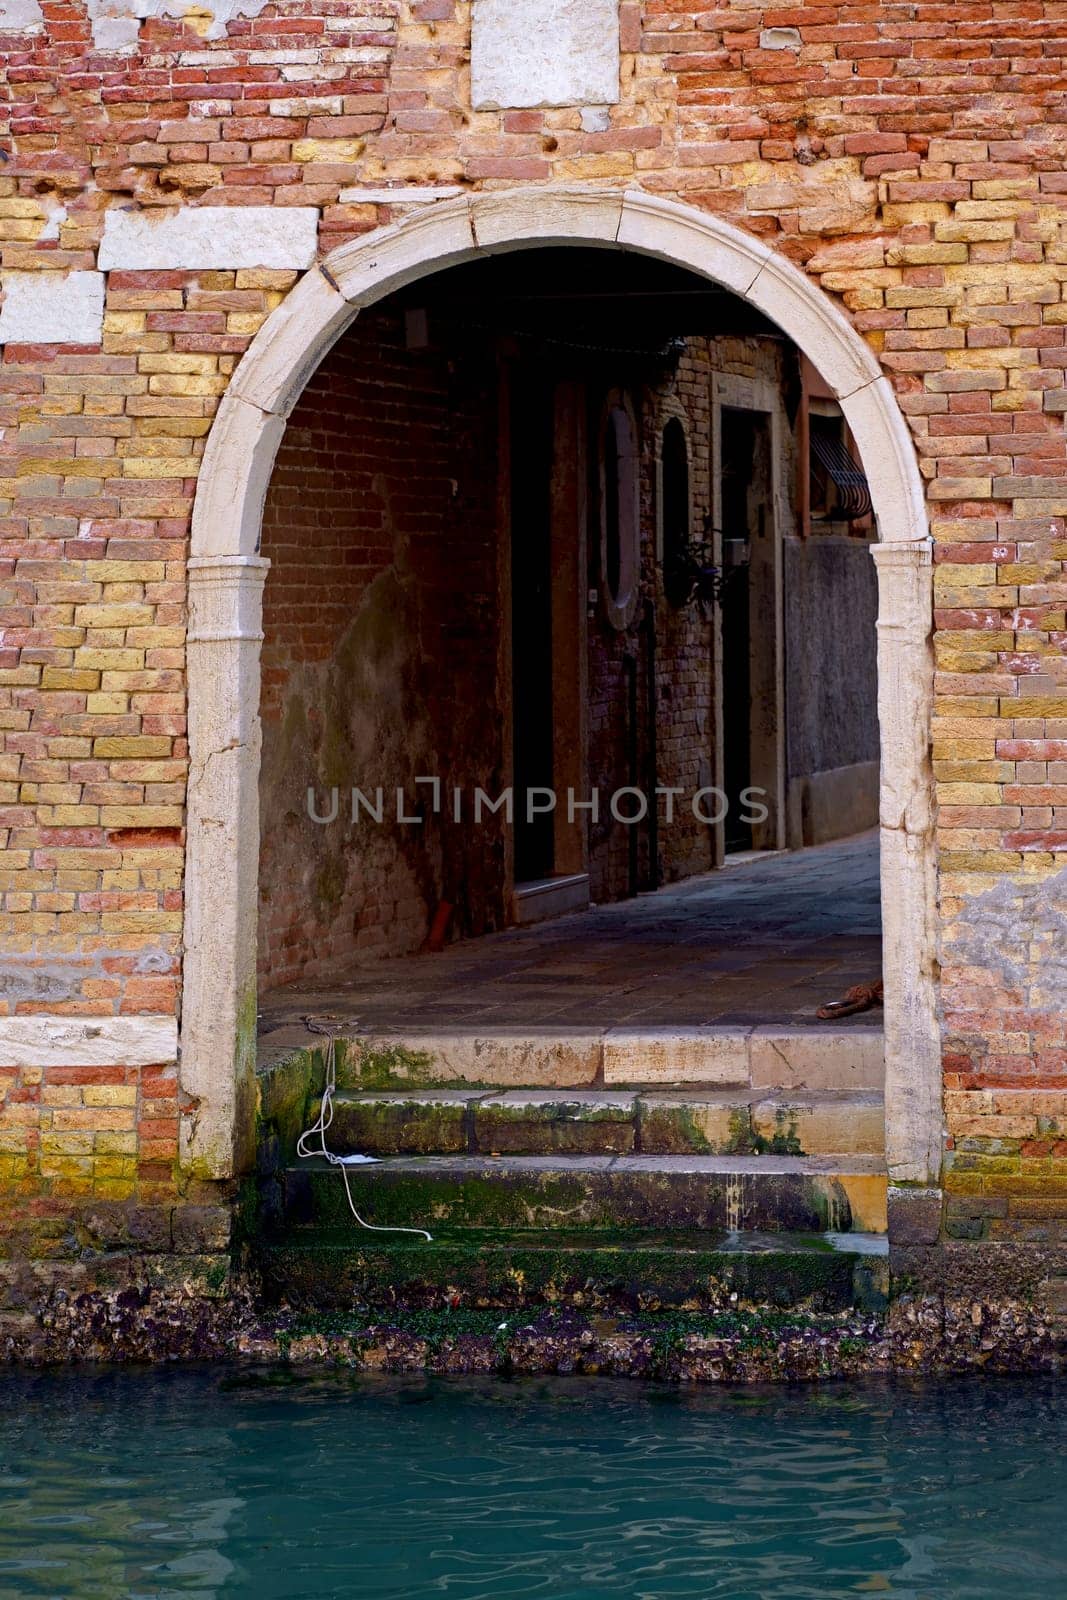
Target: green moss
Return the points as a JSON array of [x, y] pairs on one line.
[[216, 1275], [284, 1096], [742, 1140], [335, 757], [390, 1127], [758, 1341], [785, 1140], [525, 1268], [384, 1066], [329, 885]]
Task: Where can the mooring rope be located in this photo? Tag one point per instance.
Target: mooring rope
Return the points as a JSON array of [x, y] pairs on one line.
[[304, 1148]]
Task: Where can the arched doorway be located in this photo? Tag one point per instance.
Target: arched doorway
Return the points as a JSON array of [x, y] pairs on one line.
[[226, 577]]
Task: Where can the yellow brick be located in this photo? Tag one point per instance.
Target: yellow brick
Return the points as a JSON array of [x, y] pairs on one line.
[[131, 746], [158, 467], [949, 660], [110, 1094], [93, 1118], [66, 1144], [124, 321], [113, 1188], [178, 363], [328, 149], [114, 1167], [69, 678], [976, 638], [964, 575], [108, 614], [264, 278], [129, 571], [141, 816], [168, 384], [968, 794], [115, 1143], [245, 321]]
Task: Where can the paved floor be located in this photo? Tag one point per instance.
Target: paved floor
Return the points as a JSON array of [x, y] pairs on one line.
[[768, 939]]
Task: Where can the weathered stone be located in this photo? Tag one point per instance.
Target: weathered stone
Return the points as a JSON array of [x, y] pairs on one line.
[[51, 307], [209, 237], [691, 1055], [571, 56]]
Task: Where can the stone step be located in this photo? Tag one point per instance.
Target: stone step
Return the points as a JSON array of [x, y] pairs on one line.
[[334, 1269], [846, 1056], [606, 1122], [798, 1194]]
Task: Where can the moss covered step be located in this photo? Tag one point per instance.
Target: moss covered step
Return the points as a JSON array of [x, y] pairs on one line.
[[799, 1194], [612, 1271], [606, 1122], [800, 1123]]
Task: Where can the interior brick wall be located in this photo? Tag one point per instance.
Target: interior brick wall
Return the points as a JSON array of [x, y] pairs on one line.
[[381, 629]]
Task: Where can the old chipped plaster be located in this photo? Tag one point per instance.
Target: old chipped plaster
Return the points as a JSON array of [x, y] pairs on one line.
[[1018, 931], [116, 24]]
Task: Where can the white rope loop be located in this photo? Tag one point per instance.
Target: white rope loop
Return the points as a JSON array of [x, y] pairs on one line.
[[305, 1148]]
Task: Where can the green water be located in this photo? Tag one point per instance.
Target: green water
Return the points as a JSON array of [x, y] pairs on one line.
[[198, 1483]]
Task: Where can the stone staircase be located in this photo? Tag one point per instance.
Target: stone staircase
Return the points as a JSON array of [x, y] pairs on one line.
[[694, 1183]]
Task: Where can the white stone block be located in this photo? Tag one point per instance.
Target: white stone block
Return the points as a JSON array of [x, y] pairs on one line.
[[238, 462], [559, 216], [20, 16], [676, 1055], [209, 237], [50, 1041], [429, 239], [404, 194], [849, 1057], [561, 53], [686, 238], [844, 361], [541, 1060], [273, 373], [52, 308]]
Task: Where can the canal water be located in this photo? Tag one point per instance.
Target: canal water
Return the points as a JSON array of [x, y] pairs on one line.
[[196, 1482]]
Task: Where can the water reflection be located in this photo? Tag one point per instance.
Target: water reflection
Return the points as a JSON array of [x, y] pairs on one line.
[[184, 1483]]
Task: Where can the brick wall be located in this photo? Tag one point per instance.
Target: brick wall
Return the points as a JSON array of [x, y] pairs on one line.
[[910, 158], [620, 715], [381, 634], [685, 732]]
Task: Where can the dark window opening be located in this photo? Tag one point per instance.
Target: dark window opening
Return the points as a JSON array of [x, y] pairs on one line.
[[839, 491], [612, 530], [676, 513]]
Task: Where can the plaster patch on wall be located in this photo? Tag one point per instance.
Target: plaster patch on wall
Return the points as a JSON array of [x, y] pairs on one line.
[[28, 978], [566, 55], [1019, 932], [116, 24], [209, 237], [780, 39], [20, 16], [52, 308]]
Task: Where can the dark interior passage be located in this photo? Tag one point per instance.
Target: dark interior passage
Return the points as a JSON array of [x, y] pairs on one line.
[[536, 525]]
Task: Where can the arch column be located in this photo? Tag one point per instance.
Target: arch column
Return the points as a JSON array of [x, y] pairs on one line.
[[218, 1037], [913, 1092], [226, 579]]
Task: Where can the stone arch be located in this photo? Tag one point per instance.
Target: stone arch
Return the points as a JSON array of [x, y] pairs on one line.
[[226, 576]]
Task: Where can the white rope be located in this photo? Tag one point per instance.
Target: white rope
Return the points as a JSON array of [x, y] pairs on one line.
[[304, 1147]]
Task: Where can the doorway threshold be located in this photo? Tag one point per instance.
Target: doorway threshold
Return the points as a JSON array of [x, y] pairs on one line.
[[542, 898]]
